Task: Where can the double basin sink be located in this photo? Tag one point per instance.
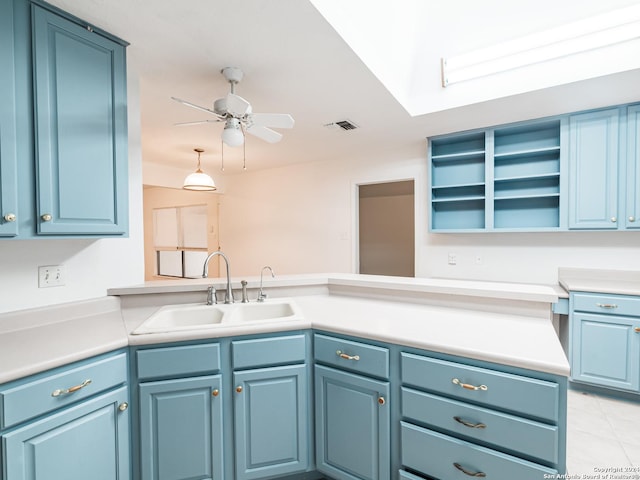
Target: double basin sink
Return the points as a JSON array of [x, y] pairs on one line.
[[173, 318]]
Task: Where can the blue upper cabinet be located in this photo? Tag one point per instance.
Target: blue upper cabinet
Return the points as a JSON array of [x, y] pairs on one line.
[[507, 178], [632, 212], [8, 171], [593, 170], [64, 116], [80, 128]]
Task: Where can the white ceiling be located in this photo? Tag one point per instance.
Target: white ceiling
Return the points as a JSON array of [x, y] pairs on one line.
[[295, 62]]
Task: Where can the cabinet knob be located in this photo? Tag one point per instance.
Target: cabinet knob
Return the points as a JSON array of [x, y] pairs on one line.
[[381, 400], [215, 392], [637, 329], [46, 217], [239, 389], [632, 218], [123, 406], [614, 219], [10, 217]]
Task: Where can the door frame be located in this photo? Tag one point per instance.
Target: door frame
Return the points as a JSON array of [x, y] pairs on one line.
[[418, 212]]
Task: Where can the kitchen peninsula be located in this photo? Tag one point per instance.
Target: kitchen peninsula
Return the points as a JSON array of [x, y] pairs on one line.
[[484, 350]]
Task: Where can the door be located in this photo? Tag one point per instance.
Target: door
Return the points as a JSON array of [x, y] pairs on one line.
[[386, 229], [271, 421], [605, 350], [80, 115], [8, 172], [88, 440], [632, 194], [181, 429], [593, 170], [352, 426]]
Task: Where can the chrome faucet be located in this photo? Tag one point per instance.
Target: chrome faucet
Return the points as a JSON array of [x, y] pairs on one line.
[[261, 294], [228, 294]]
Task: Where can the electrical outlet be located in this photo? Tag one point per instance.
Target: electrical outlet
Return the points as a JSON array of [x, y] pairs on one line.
[[453, 259], [51, 276]]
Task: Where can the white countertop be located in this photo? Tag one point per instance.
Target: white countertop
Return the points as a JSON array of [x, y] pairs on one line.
[[621, 282], [40, 339], [472, 288]]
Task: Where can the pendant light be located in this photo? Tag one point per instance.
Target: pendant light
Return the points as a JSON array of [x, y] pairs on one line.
[[199, 180]]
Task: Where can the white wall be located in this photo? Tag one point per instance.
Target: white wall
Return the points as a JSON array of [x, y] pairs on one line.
[[92, 266], [302, 219]]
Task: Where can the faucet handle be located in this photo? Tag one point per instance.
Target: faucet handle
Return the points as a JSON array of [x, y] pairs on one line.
[[245, 298], [211, 295]]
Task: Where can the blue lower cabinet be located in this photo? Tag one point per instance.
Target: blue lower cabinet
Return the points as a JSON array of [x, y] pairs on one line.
[[352, 425], [87, 440], [271, 419], [181, 429], [605, 350]]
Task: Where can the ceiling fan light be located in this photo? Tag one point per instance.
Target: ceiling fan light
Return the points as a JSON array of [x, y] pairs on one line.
[[232, 134], [198, 180]]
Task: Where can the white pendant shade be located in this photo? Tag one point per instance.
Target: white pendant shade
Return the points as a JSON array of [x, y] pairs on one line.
[[199, 180]]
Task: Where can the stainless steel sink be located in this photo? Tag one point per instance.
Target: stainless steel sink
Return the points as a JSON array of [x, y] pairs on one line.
[[174, 318]]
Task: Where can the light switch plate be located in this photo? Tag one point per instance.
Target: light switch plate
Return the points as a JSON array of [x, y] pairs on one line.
[[51, 276]]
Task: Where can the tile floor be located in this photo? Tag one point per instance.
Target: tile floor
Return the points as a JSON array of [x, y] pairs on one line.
[[602, 432]]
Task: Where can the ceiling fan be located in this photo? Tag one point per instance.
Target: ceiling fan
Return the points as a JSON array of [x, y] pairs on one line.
[[238, 117]]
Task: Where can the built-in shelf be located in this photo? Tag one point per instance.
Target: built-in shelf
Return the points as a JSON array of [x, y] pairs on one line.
[[458, 182], [503, 178]]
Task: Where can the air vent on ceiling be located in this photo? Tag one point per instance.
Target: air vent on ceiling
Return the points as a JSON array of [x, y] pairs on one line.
[[342, 124]]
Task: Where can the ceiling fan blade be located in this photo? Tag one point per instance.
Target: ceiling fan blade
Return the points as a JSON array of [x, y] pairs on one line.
[[264, 133], [275, 120], [197, 107], [197, 122], [237, 106]]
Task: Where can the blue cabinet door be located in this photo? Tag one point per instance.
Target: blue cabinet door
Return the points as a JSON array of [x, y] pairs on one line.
[[271, 421], [8, 172], [605, 350], [181, 429], [352, 426], [632, 194], [80, 128], [593, 170], [88, 440]]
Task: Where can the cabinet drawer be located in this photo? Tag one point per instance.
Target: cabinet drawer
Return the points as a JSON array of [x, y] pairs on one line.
[[261, 352], [441, 456], [178, 361], [517, 394], [43, 393], [408, 476], [496, 429], [607, 304], [354, 356]]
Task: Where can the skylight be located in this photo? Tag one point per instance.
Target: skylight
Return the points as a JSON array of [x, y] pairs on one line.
[[500, 48]]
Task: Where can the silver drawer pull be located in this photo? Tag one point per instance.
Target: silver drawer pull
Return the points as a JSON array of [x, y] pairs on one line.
[[467, 472], [345, 356], [58, 392], [606, 305], [469, 424], [469, 387]]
